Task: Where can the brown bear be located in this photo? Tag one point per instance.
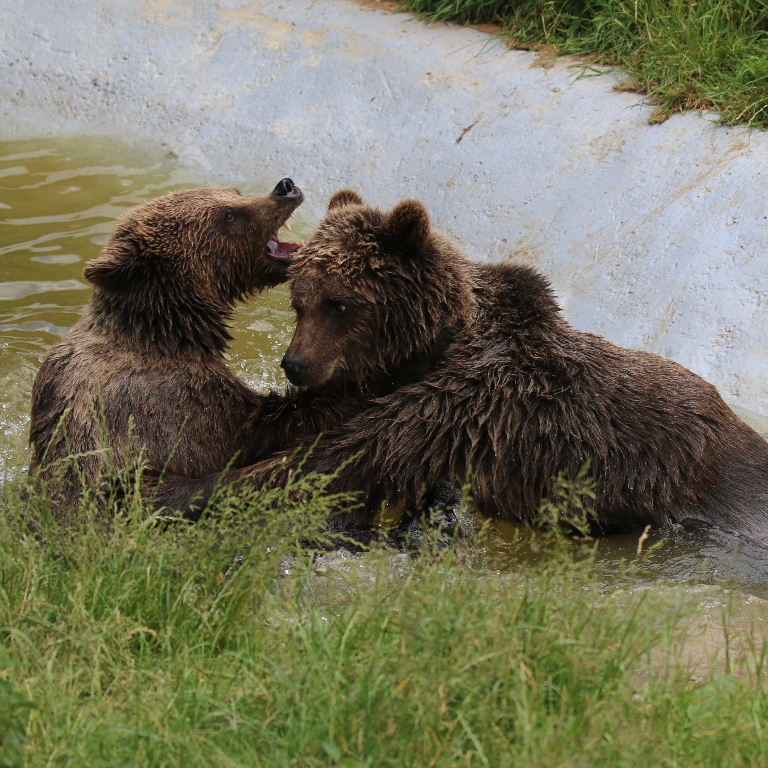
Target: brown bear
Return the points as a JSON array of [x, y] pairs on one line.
[[516, 397], [348, 389], [143, 373]]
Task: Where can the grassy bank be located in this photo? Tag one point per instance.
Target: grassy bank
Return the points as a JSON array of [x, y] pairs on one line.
[[686, 54], [230, 645]]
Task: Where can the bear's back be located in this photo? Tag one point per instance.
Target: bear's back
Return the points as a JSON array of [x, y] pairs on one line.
[[663, 445]]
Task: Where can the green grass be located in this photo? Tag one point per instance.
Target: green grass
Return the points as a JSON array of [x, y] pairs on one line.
[[229, 644], [686, 54]]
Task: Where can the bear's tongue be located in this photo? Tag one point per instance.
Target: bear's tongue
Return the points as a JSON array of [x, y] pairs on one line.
[[281, 251]]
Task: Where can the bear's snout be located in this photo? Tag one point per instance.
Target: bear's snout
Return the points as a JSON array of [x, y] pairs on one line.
[[295, 369], [287, 189]]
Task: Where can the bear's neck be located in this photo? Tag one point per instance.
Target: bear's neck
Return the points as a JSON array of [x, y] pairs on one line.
[[168, 326], [415, 368]]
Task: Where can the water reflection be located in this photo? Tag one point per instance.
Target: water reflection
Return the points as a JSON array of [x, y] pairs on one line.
[[682, 554]]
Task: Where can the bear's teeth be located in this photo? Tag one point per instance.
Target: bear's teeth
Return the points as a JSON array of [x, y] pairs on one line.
[[287, 225]]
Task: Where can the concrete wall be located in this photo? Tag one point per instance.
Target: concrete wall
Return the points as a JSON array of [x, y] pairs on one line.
[[652, 235]]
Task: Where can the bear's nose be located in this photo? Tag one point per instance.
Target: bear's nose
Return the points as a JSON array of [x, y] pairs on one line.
[[286, 188], [294, 369]]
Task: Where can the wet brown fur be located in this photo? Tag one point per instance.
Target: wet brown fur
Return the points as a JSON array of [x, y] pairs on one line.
[[376, 364], [148, 356], [517, 397]]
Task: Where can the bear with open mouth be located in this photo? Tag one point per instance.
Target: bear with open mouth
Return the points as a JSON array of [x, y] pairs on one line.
[[142, 376], [516, 397]]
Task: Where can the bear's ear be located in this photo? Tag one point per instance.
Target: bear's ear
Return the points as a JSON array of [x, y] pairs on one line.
[[408, 224], [115, 266], [344, 197]]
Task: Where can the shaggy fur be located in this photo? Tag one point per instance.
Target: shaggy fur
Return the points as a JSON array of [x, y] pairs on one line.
[[517, 397], [316, 405], [148, 356]]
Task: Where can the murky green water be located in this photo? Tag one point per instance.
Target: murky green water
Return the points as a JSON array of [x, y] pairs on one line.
[[58, 202]]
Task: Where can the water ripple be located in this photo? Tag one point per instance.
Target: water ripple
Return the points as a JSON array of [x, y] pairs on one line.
[[20, 289]]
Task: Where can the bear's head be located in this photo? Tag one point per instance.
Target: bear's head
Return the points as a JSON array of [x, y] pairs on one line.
[[173, 269], [373, 290]]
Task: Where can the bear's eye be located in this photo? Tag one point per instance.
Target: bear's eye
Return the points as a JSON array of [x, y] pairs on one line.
[[337, 306], [229, 216]]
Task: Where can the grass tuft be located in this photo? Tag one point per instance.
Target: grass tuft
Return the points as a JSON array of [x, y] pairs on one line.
[[685, 54]]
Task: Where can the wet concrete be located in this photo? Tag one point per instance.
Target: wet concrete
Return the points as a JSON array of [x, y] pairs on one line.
[[653, 235]]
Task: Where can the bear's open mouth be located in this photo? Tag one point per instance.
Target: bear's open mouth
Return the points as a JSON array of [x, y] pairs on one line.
[[279, 250], [287, 193]]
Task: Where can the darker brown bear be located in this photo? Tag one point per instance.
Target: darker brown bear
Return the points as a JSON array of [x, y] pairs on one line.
[[143, 374], [517, 396]]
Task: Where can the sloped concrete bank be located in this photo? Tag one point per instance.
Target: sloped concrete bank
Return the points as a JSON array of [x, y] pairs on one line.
[[652, 235]]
